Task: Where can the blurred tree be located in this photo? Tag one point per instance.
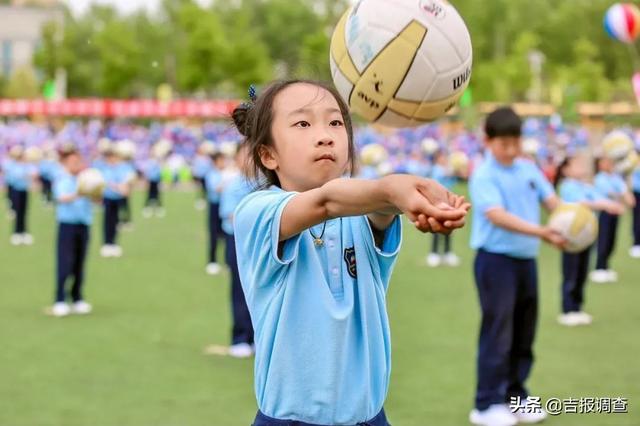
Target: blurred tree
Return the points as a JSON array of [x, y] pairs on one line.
[[22, 84]]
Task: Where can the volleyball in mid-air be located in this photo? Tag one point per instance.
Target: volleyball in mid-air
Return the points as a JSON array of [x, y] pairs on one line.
[[458, 161], [91, 183], [577, 224], [401, 63], [126, 149], [373, 154]]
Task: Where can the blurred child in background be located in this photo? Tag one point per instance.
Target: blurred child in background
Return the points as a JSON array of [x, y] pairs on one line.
[[74, 216], [612, 186], [635, 186], [20, 175], [117, 187], [214, 185], [574, 188]]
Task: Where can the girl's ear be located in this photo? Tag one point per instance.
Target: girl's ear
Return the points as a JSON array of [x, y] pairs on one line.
[[268, 157]]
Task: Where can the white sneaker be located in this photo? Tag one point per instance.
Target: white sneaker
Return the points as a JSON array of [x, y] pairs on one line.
[[585, 318], [81, 308], [60, 309], [612, 276], [570, 319], [451, 259], [106, 250], [27, 239], [147, 212], [599, 276], [240, 350], [433, 260], [213, 269], [496, 415], [160, 212], [16, 239], [116, 251], [635, 252]]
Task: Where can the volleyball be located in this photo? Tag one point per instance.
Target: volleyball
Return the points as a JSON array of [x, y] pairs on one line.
[[617, 145], [33, 154], [373, 154], [401, 63], [161, 149], [577, 224], [531, 146], [458, 161], [126, 149], [430, 146], [91, 183], [628, 163]]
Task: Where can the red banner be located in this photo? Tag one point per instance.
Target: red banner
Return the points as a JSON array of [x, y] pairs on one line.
[[144, 108]]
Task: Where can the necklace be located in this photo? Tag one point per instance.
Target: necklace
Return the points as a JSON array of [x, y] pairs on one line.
[[317, 240]]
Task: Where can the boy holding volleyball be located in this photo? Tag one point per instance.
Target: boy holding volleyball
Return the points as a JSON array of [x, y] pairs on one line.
[[315, 254], [74, 216], [506, 192]]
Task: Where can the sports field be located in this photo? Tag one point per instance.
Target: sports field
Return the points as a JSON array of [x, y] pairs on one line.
[[138, 359]]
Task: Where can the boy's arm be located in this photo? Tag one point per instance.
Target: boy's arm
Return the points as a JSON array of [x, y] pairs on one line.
[[428, 205], [551, 202], [503, 219]]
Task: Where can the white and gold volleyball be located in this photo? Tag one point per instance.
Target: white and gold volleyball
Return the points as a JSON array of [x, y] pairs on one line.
[[126, 149], [161, 149], [458, 161], [401, 63], [617, 145], [373, 154], [33, 154], [429, 146], [577, 224], [628, 163], [91, 183]]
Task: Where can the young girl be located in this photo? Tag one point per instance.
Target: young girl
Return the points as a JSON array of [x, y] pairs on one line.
[[611, 185], [572, 175], [152, 171], [315, 254], [445, 176]]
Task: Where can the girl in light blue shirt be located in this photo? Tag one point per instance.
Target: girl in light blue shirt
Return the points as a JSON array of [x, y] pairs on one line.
[[315, 254], [574, 188]]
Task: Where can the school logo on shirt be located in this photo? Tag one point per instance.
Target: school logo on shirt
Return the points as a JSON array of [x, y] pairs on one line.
[[532, 185], [350, 259]]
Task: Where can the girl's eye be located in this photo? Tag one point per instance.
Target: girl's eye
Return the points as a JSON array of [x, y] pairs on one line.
[[303, 124], [336, 123]]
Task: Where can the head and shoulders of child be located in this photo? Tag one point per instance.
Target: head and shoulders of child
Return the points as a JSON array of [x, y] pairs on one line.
[[298, 136]]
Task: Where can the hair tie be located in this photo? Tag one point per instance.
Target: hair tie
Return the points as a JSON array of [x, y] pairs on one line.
[[252, 93]]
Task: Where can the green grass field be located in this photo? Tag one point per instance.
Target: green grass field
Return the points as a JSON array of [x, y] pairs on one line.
[[138, 359]]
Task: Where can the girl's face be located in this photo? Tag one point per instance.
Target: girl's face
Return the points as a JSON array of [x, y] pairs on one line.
[[311, 145], [577, 168]]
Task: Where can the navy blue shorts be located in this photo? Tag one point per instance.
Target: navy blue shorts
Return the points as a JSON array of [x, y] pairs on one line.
[[262, 420]]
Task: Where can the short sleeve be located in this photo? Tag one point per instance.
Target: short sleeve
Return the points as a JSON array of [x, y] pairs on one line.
[[621, 185], [387, 254], [485, 193], [569, 193], [63, 187], [257, 230], [544, 187], [212, 181]]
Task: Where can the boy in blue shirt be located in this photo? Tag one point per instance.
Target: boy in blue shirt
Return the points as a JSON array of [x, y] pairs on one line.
[[613, 187], [214, 185], [635, 186], [506, 193], [74, 217], [152, 171]]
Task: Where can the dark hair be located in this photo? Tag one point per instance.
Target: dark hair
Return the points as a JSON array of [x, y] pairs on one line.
[[503, 122], [216, 156], [254, 121], [560, 174]]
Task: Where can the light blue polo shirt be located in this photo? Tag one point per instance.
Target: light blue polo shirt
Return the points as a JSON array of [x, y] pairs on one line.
[[48, 169], [576, 191], [201, 165], [635, 180], [518, 189], [19, 174], [77, 212], [152, 170], [443, 176], [7, 164], [212, 180], [323, 350], [610, 185], [114, 174]]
